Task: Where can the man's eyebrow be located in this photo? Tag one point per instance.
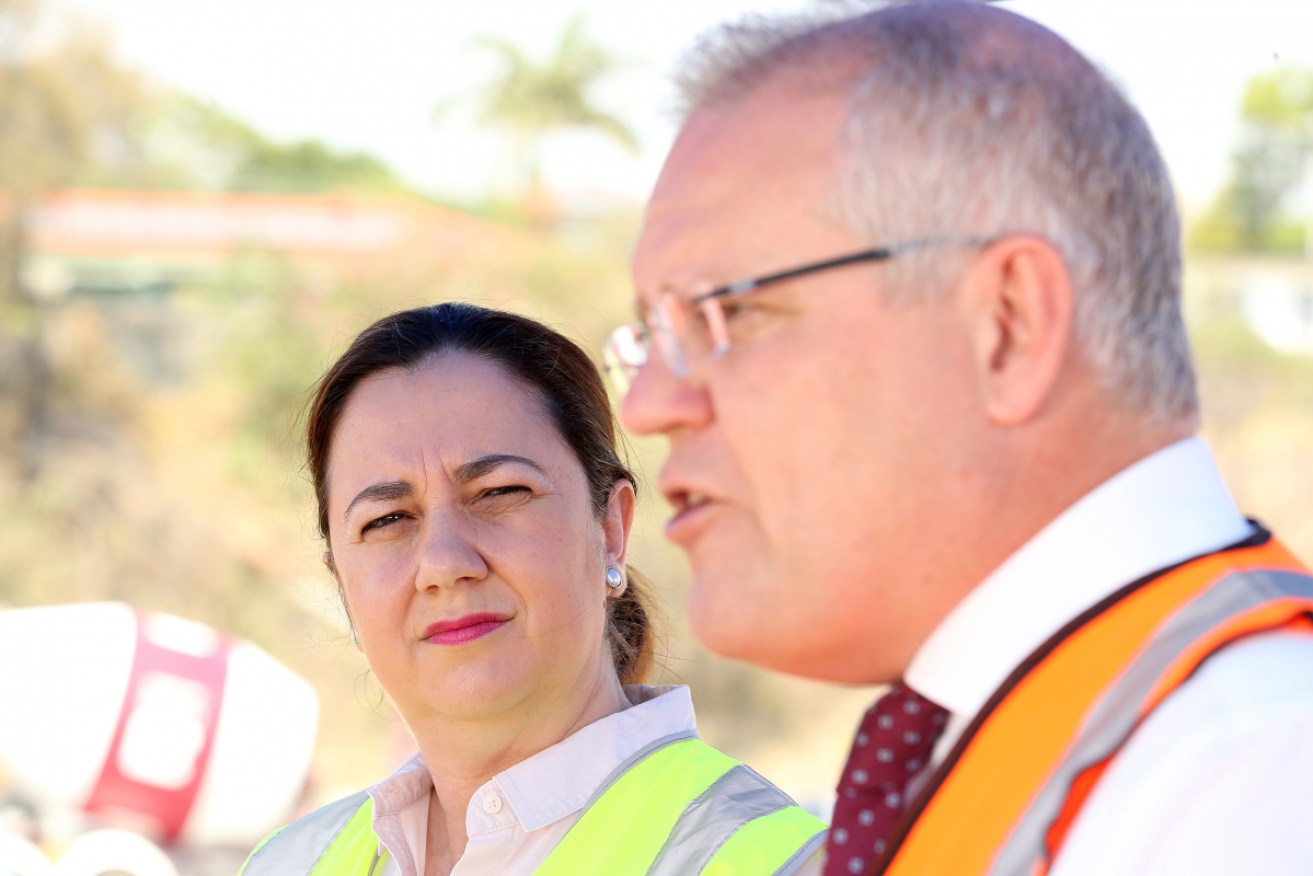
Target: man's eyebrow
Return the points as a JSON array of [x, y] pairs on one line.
[[477, 468], [384, 492]]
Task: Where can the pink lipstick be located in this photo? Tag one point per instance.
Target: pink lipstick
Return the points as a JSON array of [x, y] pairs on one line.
[[461, 630]]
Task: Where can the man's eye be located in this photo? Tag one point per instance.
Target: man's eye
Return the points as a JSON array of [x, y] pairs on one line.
[[733, 307]]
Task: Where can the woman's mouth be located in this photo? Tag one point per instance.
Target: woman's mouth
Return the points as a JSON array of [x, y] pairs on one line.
[[461, 630]]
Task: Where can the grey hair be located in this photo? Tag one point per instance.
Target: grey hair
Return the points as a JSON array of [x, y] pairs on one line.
[[968, 120]]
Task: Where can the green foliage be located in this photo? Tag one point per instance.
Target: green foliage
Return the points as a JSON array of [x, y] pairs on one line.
[[535, 99], [65, 108], [71, 113], [1253, 211], [262, 356], [1247, 219], [311, 166], [1281, 100], [189, 143], [183, 142]]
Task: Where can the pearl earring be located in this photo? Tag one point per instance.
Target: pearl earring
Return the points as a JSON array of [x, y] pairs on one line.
[[614, 579]]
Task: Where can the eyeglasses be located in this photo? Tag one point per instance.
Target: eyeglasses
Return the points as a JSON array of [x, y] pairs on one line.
[[688, 332]]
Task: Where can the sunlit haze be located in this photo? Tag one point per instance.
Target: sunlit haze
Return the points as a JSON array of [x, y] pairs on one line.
[[367, 76]]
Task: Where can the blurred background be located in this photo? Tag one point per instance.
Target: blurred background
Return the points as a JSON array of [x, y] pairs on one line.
[[200, 204]]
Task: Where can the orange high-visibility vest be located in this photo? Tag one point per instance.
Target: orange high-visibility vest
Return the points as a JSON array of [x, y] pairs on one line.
[[1004, 798]]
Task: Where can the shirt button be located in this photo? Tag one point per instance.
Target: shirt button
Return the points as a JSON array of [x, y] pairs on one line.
[[492, 804]]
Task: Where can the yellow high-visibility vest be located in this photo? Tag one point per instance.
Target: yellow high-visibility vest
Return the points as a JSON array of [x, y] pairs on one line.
[[677, 808]]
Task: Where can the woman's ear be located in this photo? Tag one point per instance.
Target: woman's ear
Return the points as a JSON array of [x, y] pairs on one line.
[[618, 521], [327, 559]]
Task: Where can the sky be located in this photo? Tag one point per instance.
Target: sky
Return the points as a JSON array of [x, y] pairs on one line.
[[368, 75]]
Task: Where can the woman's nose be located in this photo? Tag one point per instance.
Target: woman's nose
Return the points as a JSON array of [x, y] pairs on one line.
[[448, 554]]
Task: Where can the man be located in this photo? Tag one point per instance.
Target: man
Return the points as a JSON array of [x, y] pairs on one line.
[[944, 440]]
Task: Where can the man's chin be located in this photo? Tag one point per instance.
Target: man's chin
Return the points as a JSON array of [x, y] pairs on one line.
[[717, 617], [731, 630], [727, 628]]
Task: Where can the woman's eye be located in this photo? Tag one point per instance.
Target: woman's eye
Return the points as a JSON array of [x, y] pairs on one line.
[[510, 490], [380, 522]]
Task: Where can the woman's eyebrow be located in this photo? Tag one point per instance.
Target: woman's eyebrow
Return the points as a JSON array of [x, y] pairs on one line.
[[477, 468], [383, 492], [388, 491]]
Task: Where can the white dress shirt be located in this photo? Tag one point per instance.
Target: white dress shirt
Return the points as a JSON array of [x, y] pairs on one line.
[[1217, 779], [515, 819]]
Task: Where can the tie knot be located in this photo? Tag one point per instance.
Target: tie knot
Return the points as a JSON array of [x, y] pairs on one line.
[[899, 730], [902, 705]]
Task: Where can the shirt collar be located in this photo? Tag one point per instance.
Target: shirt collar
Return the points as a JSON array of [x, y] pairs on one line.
[[561, 779], [1168, 507]]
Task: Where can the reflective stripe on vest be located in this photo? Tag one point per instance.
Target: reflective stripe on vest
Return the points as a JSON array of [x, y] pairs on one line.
[[677, 807], [678, 810], [335, 839], [1004, 798]]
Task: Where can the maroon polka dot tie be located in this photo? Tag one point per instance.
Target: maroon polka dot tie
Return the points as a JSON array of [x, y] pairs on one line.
[[893, 743]]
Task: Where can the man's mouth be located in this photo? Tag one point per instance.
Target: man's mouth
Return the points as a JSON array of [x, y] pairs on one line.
[[692, 515], [687, 501]]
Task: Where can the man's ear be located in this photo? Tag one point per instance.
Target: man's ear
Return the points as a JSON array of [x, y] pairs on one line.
[[1019, 304]]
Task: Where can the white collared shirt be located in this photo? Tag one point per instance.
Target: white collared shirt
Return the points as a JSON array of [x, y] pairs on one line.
[[515, 819], [1217, 779]]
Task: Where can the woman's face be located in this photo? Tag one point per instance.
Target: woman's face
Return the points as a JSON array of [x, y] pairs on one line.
[[468, 551]]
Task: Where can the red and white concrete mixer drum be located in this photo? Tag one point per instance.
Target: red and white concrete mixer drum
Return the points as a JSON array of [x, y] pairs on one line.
[[112, 852], [153, 722]]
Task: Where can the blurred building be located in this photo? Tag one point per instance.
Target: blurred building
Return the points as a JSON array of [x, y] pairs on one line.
[[110, 242], [126, 253]]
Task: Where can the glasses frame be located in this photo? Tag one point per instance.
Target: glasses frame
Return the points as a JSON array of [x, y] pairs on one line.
[[666, 323]]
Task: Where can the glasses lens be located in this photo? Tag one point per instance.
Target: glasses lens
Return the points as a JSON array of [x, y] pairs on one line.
[[625, 352]]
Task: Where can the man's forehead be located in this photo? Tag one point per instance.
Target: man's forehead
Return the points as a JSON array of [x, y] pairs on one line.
[[739, 172], [764, 133]]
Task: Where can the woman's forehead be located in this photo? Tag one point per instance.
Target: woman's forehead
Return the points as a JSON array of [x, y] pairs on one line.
[[451, 409]]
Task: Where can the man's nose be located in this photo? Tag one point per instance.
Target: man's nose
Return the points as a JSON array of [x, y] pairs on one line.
[[659, 402]]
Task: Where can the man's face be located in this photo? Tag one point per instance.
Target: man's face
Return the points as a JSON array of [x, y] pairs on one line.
[[816, 466]]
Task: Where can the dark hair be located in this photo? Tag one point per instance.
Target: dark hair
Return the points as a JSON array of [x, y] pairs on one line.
[[546, 361]]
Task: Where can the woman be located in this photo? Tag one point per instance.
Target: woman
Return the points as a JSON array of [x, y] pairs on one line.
[[477, 516]]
